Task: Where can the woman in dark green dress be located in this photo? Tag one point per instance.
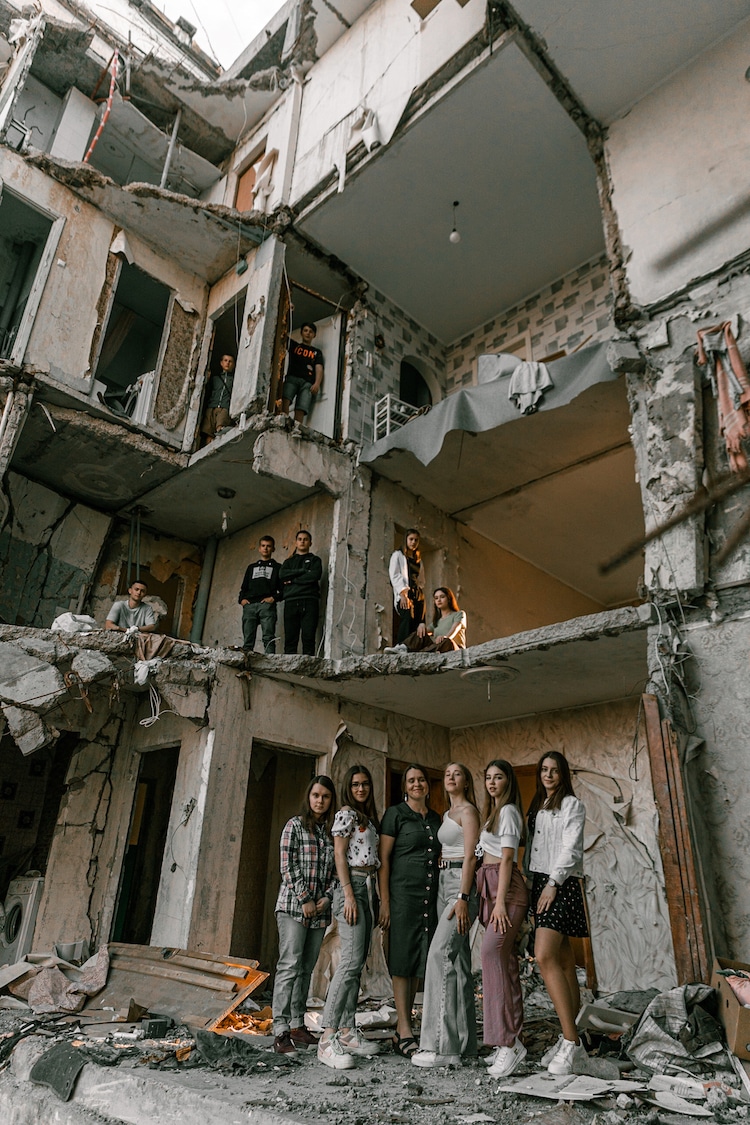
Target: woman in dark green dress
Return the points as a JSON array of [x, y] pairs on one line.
[[409, 853]]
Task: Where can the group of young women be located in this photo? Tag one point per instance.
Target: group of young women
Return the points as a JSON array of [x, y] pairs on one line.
[[433, 878]]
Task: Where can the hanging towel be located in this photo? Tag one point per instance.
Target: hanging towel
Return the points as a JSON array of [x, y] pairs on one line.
[[717, 349], [528, 383]]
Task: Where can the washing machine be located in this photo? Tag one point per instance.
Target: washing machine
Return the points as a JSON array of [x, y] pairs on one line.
[[20, 909]]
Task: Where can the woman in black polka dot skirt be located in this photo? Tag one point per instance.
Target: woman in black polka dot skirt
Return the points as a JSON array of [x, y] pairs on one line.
[[555, 859]]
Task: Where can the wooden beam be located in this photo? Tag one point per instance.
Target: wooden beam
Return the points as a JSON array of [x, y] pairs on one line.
[[684, 904]]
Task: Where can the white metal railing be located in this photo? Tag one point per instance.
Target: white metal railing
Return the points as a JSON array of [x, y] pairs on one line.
[[390, 414]]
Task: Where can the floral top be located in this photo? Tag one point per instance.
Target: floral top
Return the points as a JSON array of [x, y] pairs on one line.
[[363, 839]]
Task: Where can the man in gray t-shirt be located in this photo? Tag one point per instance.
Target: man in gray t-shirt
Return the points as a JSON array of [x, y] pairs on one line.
[[133, 612]]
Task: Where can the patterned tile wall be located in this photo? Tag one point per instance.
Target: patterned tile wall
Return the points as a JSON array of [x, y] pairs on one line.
[[559, 317]]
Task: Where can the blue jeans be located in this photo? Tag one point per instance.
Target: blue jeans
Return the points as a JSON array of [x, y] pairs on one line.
[[263, 614], [299, 947], [297, 388], [448, 1019], [341, 1001]]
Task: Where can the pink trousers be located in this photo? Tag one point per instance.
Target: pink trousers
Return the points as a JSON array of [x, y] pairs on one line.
[[501, 982]]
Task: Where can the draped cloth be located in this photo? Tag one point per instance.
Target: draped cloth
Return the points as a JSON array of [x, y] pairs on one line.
[[717, 349]]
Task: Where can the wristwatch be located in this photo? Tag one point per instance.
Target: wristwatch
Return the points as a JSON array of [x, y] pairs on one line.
[[551, 883], [461, 897]]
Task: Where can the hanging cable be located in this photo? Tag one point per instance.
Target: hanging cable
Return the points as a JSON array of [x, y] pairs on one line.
[[107, 108]]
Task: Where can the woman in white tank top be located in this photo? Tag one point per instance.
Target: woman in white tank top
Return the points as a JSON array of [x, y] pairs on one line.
[[448, 1019]]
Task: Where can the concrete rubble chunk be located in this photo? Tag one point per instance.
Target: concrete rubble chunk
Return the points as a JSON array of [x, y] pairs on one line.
[[624, 356], [90, 666], [28, 730], [27, 681]]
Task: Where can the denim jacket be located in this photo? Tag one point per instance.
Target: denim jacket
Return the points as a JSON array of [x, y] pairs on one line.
[[556, 848]]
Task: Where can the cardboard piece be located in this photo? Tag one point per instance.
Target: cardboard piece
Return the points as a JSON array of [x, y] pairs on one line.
[[734, 1017], [568, 1087]]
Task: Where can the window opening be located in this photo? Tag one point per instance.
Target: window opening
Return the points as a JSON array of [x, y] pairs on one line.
[[412, 387], [170, 593], [130, 349], [24, 232], [244, 199]]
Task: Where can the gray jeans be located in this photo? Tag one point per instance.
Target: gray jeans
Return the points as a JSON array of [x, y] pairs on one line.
[[299, 947], [341, 1001], [448, 1018], [263, 614]]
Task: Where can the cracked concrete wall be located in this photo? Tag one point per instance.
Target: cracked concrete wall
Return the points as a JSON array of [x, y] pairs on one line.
[[501, 593], [630, 929], [49, 551], [679, 175]]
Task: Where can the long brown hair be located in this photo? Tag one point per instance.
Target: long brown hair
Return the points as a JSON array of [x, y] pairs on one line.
[[564, 789], [306, 813], [365, 810], [511, 795], [404, 547], [453, 606], [470, 797]]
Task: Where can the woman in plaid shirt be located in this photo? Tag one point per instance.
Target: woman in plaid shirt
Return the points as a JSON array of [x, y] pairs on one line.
[[303, 910]]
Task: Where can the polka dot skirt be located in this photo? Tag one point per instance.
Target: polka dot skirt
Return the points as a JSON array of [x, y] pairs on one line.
[[567, 914]]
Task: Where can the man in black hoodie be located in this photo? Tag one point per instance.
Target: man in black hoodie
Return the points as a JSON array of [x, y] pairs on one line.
[[300, 580], [259, 593]]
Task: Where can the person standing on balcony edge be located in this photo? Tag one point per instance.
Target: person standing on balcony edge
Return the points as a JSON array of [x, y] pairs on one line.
[[259, 593], [304, 375], [300, 581], [406, 573], [216, 416]]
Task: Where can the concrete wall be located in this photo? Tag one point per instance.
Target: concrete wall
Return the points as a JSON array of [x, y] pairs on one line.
[[501, 593], [680, 172], [630, 933], [49, 550]]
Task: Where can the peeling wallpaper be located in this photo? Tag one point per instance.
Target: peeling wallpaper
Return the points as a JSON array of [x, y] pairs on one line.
[[630, 932]]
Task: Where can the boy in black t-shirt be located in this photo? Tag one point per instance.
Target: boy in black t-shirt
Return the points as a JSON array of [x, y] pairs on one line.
[[259, 593], [304, 374]]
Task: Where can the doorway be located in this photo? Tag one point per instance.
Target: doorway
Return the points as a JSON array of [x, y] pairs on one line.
[[395, 786], [275, 792], [141, 869], [25, 234]]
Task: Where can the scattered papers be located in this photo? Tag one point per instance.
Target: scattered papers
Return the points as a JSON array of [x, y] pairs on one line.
[[569, 1087]]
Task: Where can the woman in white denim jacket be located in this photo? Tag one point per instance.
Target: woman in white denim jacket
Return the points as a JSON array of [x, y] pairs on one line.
[[554, 856]]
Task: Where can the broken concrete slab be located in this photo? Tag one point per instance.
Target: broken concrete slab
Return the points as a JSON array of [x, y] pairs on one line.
[[29, 732], [91, 666], [26, 680]]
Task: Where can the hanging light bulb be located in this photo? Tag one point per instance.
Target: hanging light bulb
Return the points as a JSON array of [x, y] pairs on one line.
[[454, 236]]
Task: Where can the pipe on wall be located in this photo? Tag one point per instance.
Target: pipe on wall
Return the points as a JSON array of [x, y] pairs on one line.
[[204, 587]]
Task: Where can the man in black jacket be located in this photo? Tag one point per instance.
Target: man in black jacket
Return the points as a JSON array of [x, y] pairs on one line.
[[300, 579], [259, 593]]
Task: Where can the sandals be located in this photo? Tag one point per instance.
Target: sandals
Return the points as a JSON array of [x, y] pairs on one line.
[[405, 1047]]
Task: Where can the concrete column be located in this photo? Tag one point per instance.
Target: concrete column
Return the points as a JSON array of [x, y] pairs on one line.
[[347, 570]]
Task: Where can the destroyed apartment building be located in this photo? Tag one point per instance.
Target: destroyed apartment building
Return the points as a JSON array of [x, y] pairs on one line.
[[454, 192]]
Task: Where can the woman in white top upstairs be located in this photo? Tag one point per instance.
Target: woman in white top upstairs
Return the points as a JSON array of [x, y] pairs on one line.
[[555, 859], [448, 1020], [503, 903], [406, 573]]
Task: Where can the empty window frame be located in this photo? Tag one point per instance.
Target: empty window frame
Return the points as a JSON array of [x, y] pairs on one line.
[[131, 345], [28, 240]]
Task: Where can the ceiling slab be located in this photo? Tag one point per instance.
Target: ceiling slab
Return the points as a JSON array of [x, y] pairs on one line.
[[613, 53], [578, 663], [502, 146]]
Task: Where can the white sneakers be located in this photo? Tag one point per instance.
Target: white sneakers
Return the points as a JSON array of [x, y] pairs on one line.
[[332, 1053], [507, 1059], [354, 1044], [549, 1054], [568, 1055], [429, 1058], [395, 648]]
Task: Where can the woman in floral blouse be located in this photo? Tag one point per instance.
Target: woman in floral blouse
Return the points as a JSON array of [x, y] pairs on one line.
[[355, 905], [303, 910]]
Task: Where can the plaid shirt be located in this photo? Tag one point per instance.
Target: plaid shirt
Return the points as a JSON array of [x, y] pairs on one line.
[[307, 871]]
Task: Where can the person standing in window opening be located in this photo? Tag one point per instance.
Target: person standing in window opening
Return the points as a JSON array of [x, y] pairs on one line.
[[554, 857], [300, 582], [407, 579], [216, 417], [449, 1028], [355, 907], [259, 594], [503, 904], [304, 373], [409, 851], [303, 911], [448, 631]]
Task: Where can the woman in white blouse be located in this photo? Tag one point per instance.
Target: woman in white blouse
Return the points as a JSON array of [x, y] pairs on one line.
[[504, 901], [355, 841], [555, 859]]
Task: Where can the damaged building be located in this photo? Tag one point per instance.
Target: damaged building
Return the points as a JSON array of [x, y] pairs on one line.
[[446, 189]]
